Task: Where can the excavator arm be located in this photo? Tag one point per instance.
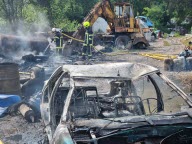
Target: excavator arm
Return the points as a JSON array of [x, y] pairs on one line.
[[101, 9]]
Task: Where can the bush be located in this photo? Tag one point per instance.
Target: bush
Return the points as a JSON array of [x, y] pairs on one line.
[[177, 34], [166, 35]]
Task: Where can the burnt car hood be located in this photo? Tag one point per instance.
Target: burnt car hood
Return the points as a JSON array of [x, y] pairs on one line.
[[135, 128], [132, 129], [134, 121]]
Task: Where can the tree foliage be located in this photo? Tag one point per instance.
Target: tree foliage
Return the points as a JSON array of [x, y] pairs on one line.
[[67, 14]]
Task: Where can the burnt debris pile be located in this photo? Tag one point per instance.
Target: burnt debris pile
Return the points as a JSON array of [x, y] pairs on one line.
[[25, 63]]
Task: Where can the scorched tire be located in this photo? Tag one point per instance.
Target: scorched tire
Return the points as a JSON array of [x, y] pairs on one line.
[[140, 45], [123, 42]]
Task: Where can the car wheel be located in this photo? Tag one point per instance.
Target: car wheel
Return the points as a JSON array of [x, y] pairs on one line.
[[123, 42]]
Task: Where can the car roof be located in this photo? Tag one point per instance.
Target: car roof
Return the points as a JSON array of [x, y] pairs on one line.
[[114, 70]]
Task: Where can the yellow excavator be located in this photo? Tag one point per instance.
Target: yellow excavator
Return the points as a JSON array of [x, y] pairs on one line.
[[124, 30]]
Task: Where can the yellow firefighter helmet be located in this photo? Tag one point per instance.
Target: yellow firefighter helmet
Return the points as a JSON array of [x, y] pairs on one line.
[[86, 24]]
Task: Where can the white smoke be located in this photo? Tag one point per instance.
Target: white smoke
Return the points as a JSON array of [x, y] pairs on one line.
[[24, 35]]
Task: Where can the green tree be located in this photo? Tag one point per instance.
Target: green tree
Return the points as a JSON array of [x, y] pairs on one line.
[[12, 11], [67, 14]]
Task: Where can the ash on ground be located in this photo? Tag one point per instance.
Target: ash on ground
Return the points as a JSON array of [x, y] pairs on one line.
[[15, 130]]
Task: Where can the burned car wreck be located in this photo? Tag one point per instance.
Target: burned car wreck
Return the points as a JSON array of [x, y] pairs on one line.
[[115, 103]]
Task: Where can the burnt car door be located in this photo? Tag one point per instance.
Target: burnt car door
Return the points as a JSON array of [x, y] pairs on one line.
[[46, 98]]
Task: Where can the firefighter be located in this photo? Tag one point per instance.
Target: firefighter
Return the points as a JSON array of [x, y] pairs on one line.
[[88, 42], [58, 39]]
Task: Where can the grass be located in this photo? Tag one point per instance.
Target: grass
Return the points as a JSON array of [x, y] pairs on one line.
[[166, 43], [177, 35]]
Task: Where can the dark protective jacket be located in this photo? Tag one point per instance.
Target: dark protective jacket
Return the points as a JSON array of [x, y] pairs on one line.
[[88, 41], [58, 39]]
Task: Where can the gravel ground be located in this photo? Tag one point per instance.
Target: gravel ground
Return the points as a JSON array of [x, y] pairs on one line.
[[174, 48], [15, 130]]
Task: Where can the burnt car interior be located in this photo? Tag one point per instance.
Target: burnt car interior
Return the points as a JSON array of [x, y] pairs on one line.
[[116, 110], [82, 105], [86, 103], [118, 102]]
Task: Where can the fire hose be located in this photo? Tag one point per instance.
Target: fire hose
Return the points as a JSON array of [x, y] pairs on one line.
[[72, 38], [151, 55], [94, 47], [159, 56]]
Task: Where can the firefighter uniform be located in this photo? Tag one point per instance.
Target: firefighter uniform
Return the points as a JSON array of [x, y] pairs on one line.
[[88, 41], [58, 39]]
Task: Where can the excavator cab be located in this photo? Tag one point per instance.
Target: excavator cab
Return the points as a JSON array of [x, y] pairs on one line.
[[124, 16]]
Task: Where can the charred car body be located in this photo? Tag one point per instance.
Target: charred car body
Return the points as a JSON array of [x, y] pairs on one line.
[[115, 103]]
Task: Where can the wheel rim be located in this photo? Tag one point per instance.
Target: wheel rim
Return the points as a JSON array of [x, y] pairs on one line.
[[123, 42]]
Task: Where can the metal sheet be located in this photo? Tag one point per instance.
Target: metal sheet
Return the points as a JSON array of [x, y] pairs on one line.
[[113, 70]]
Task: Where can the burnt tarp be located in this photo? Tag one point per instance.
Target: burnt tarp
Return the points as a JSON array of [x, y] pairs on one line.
[[6, 101], [110, 70]]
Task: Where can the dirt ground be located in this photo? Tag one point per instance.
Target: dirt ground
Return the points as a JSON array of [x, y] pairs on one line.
[[15, 130], [174, 47], [155, 47]]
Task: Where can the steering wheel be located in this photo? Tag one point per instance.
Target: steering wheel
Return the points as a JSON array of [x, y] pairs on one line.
[[149, 106]]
